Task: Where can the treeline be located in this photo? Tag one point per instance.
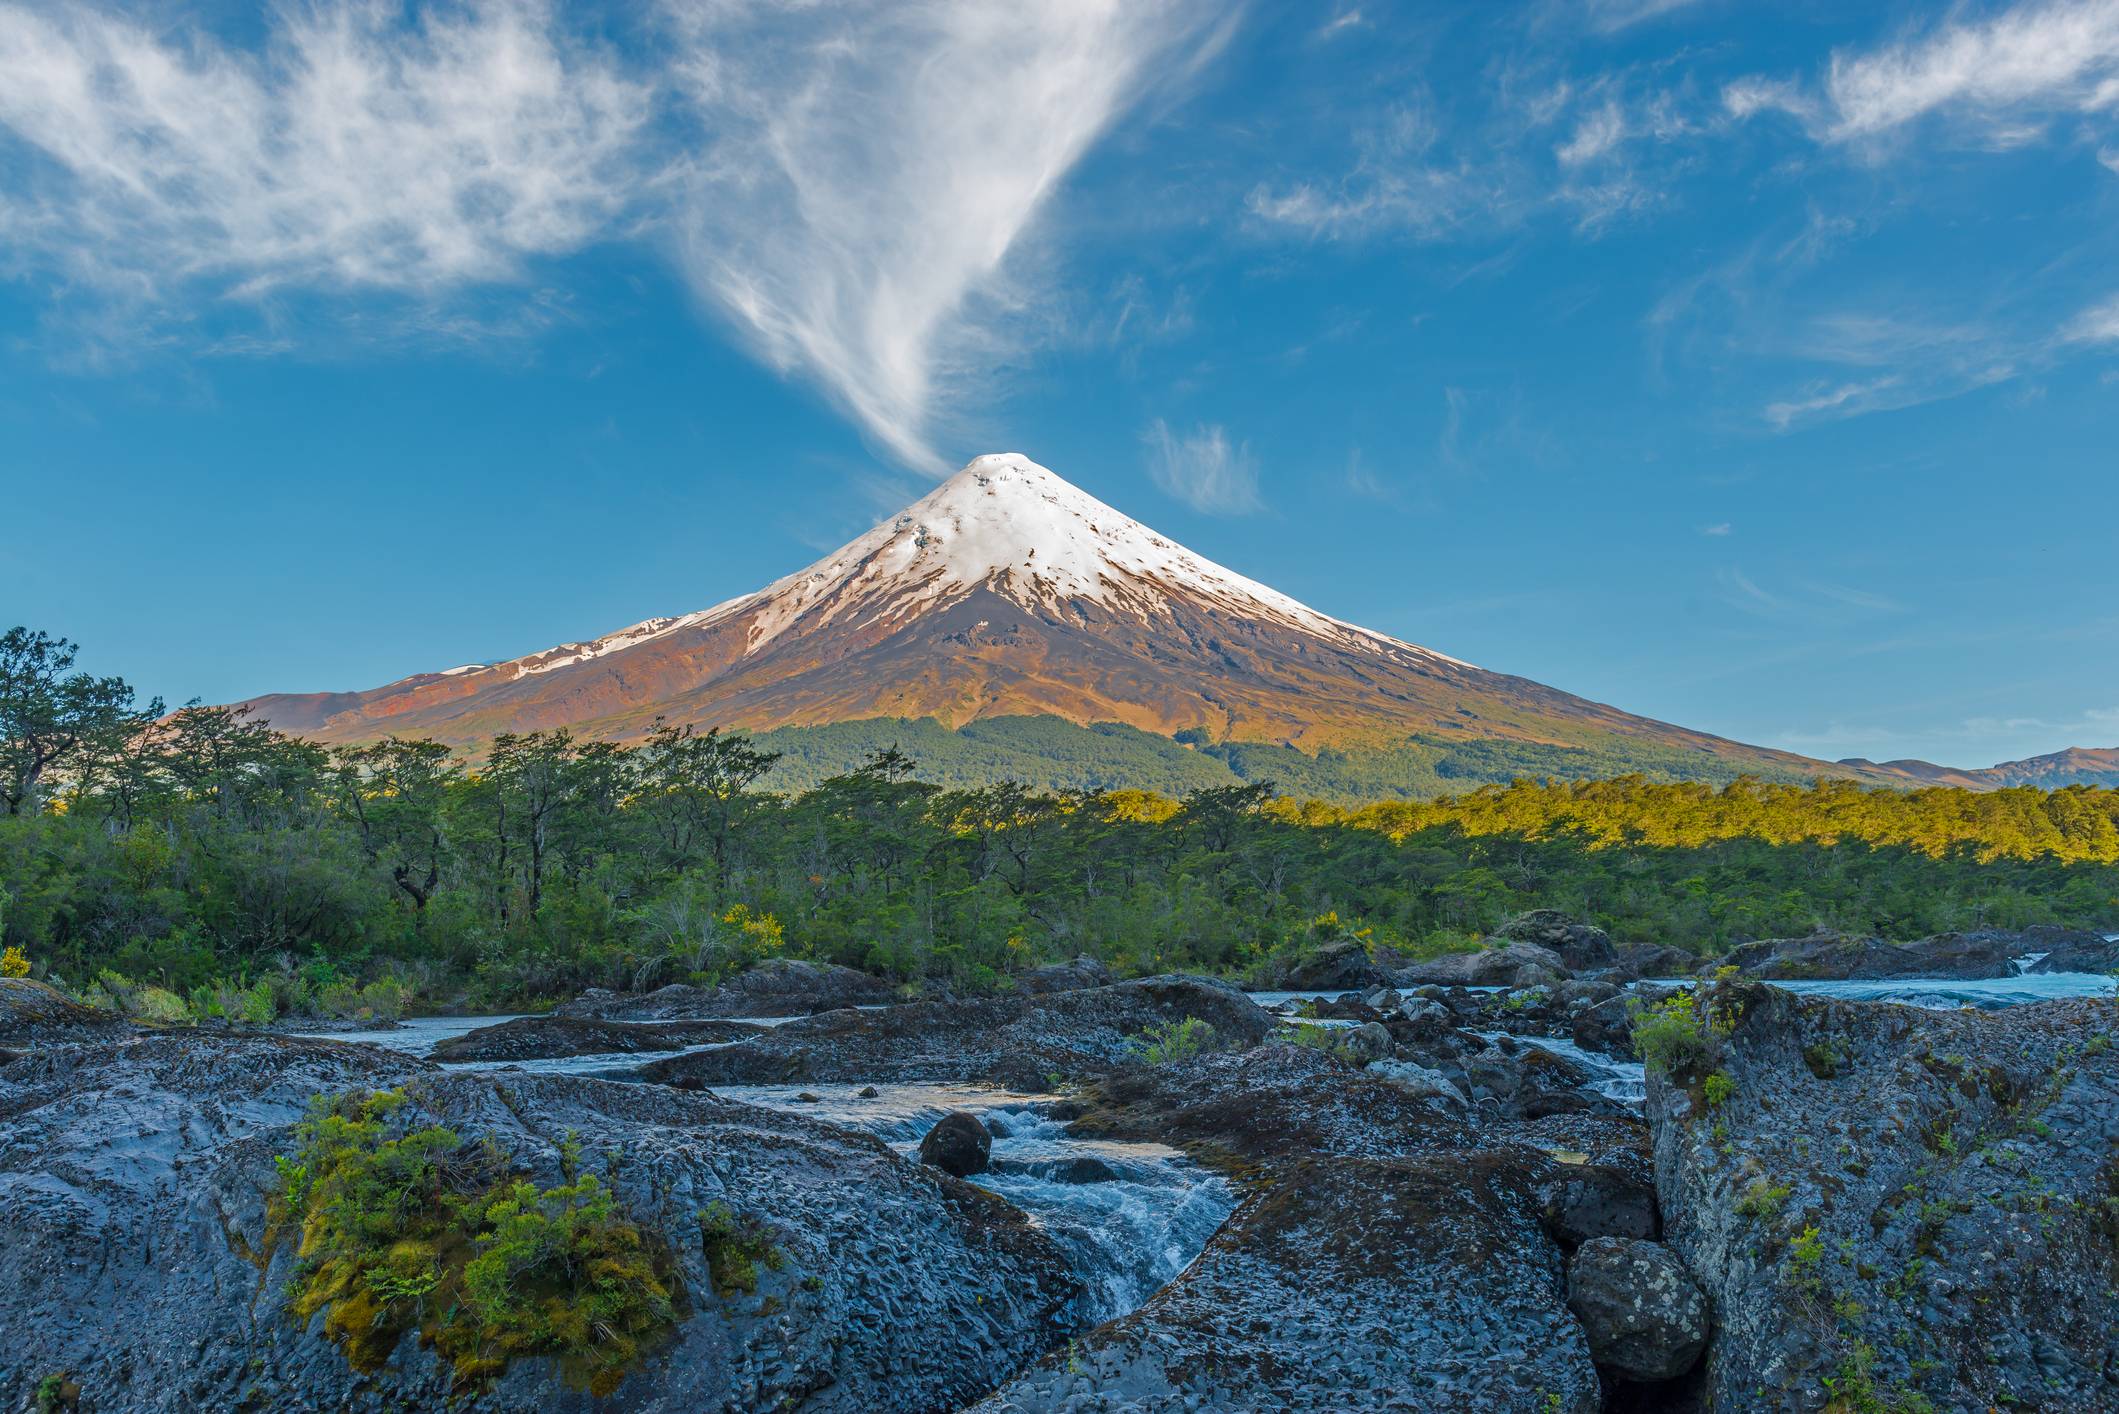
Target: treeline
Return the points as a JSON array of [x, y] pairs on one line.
[[236, 870]]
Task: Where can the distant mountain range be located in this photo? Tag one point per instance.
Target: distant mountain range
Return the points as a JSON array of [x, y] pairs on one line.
[[2076, 766], [1010, 624]]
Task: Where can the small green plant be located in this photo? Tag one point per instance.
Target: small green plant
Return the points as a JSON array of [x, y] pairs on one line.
[[14, 962], [735, 1248], [58, 1394], [1805, 1255], [1166, 1041], [1718, 1089], [1762, 1200]]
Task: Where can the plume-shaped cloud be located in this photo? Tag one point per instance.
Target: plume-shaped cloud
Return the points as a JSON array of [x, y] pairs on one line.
[[873, 166], [852, 184]]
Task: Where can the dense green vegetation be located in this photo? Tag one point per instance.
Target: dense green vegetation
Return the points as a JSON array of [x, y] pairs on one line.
[[205, 865]]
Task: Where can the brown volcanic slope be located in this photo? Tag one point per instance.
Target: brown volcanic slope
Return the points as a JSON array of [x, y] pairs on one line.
[[1007, 592]]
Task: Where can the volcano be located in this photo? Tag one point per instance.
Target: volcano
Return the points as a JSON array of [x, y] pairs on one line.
[[1009, 596]]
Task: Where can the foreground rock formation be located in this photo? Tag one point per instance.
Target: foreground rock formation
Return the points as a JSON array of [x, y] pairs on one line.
[[135, 1177], [1892, 1205], [1395, 1252]]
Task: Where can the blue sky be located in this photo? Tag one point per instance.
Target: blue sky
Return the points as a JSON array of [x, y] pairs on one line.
[[1752, 367]]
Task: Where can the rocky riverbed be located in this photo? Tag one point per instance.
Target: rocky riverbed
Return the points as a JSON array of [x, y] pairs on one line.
[[1450, 1193]]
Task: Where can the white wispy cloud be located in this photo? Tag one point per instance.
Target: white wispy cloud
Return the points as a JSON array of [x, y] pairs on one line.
[[852, 185], [1398, 181], [1203, 469], [354, 151], [1719, 529], [2099, 324], [875, 166], [2002, 73], [1819, 400]]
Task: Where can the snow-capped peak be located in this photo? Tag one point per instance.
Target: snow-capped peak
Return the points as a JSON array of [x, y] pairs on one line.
[[1008, 525]]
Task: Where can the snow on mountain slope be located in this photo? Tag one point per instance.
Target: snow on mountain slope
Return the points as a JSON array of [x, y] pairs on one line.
[[1006, 524], [1008, 592]]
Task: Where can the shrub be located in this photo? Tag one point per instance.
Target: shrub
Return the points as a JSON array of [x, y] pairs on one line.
[[384, 1000], [14, 962], [160, 1006], [1718, 1089], [405, 1229], [1176, 1040], [1329, 1039], [1670, 1036], [259, 1008]]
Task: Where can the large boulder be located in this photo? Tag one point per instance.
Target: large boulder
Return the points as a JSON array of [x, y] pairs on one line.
[[548, 1037], [33, 1014], [1417, 1283], [959, 1143], [1083, 971], [1482, 967], [1341, 966], [1655, 960], [1643, 1313], [135, 1177], [777, 987], [1582, 947], [1909, 1204], [2068, 950], [1958, 956], [1014, 1040]]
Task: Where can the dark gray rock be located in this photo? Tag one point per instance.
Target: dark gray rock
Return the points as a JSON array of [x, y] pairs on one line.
[[1344, 965], [1656, 960], [776, 987], [134, 1179], [1585, 1201], [1643, 1314], [33, 1014], [1014, 1041], [1422, 1283], [1367, 1042], [546, 1037], [1992, 953], [958, 1144], [1484, 967], [1581, 947], [1606, 1027], [1920, 1195], [1084, 971]]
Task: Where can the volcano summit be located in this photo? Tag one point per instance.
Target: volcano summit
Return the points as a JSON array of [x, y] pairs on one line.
[[1008, 603]]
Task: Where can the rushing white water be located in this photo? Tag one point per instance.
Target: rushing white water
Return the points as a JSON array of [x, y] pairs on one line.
[[1130, 1216], [1614, 1079]]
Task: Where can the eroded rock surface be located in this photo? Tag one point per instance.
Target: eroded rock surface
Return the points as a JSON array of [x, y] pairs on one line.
[[33, 1014], [1910, 1204]]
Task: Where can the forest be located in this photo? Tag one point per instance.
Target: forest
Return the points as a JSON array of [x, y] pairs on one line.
[[196, 863]]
